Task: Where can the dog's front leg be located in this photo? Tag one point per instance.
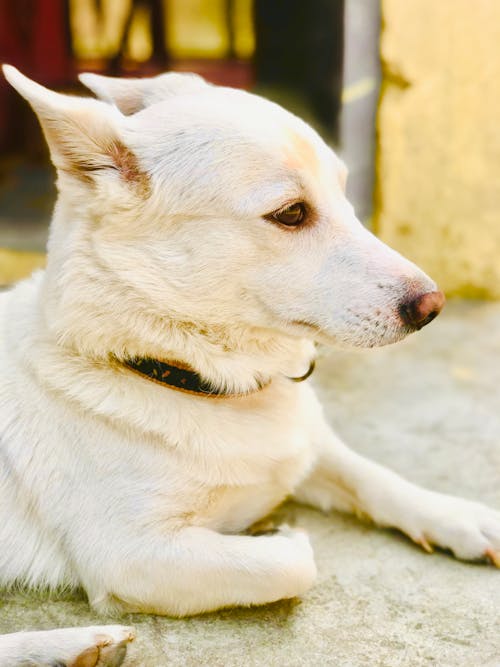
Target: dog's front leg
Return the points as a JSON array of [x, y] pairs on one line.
[[197, 570], [348, 482]]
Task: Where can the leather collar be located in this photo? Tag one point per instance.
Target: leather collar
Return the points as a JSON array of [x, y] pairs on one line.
[[177, 376]]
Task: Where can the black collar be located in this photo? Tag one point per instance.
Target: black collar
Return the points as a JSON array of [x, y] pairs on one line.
[[180, 377]]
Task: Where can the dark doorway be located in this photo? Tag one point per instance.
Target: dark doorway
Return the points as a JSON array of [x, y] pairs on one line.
[[299, 56]]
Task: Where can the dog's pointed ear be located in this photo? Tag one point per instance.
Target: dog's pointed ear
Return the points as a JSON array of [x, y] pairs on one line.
[[132, 95], [82, 133]]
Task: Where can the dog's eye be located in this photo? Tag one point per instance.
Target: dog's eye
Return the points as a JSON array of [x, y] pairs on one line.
[[291, 216]]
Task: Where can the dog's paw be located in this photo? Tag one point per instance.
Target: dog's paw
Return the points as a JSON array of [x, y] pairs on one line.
[[95, 646], [469, 529], [298, 535], [100, 646], [301, 564]]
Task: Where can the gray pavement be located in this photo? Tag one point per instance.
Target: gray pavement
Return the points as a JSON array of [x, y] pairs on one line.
[[427, 407]]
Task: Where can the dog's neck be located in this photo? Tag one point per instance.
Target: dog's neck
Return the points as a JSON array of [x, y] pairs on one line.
[[229, 362], [181, 378], [232, 359]]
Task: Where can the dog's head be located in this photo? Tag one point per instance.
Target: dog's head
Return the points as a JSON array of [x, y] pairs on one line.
[[210, 205]]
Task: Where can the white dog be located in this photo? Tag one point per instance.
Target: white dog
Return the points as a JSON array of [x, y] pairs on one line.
[[200, 244]]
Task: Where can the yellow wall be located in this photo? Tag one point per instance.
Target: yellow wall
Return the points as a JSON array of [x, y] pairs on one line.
[[195, 28], [438, 161], [16, 265]]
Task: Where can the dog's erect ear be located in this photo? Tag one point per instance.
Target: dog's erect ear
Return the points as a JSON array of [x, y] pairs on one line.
[[81, 132], [132, 95]]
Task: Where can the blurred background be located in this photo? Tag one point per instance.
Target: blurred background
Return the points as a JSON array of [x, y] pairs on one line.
[[318, 58], [425, 75]]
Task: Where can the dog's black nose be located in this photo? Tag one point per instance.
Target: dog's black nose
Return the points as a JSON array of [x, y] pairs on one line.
[[422, 310]]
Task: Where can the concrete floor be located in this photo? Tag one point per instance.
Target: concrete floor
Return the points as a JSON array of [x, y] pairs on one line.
[[429, 408]]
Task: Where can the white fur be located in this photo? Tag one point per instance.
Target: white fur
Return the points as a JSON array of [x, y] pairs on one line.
[[138, 492]]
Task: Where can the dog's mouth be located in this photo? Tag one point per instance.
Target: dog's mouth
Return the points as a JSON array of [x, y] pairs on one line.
[[375, 332], [367, 328]]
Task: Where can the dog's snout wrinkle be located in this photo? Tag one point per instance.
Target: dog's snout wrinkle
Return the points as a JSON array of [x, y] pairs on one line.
[[422, 310]]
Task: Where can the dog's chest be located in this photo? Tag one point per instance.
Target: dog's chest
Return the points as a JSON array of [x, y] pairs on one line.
[[239, 469], [234, 507]]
